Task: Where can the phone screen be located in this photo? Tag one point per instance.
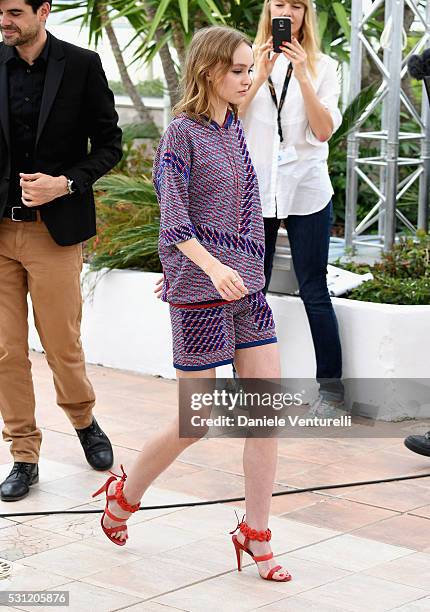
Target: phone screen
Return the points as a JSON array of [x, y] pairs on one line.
[[281, 31]]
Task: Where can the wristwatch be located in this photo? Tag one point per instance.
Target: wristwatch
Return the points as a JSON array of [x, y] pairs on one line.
[[70, 189]]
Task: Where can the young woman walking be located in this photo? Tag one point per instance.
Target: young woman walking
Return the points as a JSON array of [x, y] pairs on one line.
[[212, 250]]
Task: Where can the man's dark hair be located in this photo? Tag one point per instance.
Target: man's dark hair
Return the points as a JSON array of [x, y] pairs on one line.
[[36, 4], [419, 65]]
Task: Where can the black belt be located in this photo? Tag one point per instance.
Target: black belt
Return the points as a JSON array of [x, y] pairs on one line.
[[19, 213]]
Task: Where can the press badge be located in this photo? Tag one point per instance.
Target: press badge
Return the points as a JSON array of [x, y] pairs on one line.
[[287, 155]]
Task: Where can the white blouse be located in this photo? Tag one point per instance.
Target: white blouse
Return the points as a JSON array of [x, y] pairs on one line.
[[293, 175]]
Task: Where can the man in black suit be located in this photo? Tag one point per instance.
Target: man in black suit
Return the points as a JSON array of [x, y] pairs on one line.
[[54, 101]]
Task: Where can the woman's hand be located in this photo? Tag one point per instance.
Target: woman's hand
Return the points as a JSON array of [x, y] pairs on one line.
[[295, 54], [263, 63], [159, 288], [227, 281]]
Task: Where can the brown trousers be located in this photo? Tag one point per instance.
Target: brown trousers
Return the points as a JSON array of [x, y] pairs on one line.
[[31, 262]]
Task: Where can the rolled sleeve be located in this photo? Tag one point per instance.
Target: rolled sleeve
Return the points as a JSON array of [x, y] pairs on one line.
[[328, 94], [171, 177]]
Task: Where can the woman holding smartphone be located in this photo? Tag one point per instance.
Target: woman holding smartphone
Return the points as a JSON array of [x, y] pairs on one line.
[[212, 250], [289, 114]]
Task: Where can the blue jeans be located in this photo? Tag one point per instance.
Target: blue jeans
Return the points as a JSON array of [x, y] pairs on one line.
[[309, 237]]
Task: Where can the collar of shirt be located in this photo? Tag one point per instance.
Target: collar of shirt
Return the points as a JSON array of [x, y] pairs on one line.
[[13, 56], [229, 118]]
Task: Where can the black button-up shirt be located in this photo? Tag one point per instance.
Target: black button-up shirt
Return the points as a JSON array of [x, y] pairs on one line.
[[26, 83]]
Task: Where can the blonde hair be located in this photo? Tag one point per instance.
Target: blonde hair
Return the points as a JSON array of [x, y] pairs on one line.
[[211, 49], [308, 37]]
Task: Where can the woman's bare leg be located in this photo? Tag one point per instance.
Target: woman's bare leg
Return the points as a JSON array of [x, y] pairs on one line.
[[157, 454], [260, 454]]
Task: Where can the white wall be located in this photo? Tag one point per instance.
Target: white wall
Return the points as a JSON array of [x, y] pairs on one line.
[[124, 326], [71, 32]]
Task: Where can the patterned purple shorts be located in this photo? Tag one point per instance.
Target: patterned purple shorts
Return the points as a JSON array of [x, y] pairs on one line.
[[206, 334]]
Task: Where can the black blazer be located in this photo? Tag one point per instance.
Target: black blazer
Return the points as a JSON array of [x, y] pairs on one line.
[[77, 107]]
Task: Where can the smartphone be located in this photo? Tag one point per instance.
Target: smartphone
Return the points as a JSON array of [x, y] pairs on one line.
[[281, 32]]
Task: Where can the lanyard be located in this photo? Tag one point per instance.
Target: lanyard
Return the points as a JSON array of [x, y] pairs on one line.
[[282, 100]]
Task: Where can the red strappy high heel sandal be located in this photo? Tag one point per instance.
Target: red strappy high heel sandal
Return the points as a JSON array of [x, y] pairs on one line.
[[121, 501], [262, 536]]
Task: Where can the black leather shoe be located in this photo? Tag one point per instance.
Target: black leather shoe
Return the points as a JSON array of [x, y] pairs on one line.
[[97, 447], [17, 484], [419, 444]]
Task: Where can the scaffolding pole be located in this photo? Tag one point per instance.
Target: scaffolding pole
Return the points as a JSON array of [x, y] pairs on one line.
[[393, 67], [424, 200]]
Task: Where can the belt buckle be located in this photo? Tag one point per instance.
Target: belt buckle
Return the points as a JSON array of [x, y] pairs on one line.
[[13, 215]]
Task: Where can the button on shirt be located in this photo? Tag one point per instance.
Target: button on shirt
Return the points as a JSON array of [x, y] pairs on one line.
[[301, 185], [26, 83]]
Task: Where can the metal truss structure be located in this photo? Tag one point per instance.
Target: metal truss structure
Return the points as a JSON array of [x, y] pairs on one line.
[[387, 188]]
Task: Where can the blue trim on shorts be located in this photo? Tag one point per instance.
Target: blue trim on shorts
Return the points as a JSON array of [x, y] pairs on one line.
[[244, 345], [202, 367]]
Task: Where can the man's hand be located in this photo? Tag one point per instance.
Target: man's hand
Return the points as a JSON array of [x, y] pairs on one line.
[[38, 189]]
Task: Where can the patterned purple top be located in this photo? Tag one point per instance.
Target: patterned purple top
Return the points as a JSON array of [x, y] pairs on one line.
[[207, 188]]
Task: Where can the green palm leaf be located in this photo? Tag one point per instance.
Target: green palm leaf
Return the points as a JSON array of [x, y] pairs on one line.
[[183, 7], [353, 113], [342, 18]]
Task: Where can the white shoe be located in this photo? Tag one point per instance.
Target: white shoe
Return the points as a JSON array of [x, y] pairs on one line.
[[326, 409]]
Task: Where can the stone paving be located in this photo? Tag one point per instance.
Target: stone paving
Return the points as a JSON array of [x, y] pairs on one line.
[[361, 548]]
